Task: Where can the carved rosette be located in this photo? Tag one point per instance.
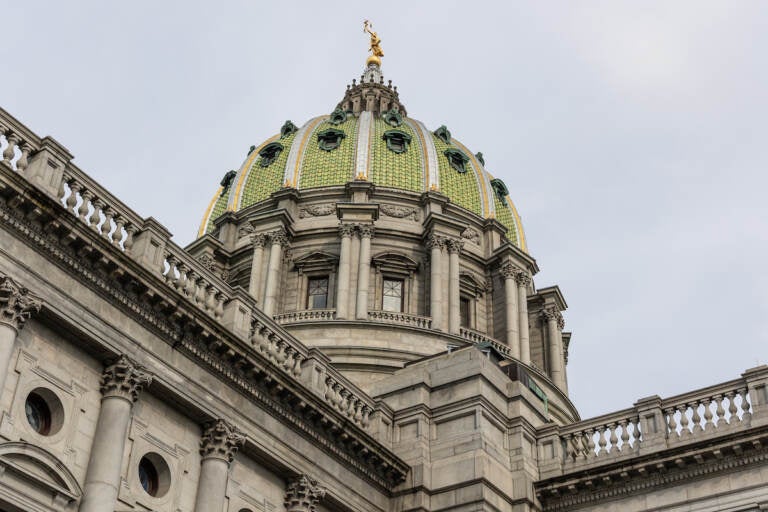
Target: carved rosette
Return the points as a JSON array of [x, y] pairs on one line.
[[221, 440], [346, 230], [303, 494], [124, 378], [16, 304], [366, 230]]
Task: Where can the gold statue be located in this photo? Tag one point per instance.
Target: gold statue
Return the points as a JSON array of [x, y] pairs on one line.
[[375, 48]]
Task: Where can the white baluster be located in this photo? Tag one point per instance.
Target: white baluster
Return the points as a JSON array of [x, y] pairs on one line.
[[624, 436], [21, 164], [746, 416], [732, 409], [130, 231], [695, 418], [707, 414], [74, 189], [684, 422]]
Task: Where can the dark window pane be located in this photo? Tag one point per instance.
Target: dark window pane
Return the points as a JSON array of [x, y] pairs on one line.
[[464, 311], [317, 292]]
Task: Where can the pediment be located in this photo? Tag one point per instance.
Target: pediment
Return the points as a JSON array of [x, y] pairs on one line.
[[40, 468], [316, 260], [394, 261]]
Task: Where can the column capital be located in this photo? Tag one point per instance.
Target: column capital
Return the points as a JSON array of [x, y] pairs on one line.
[[508, 270], [221, 440], [279, 236], [16, 303], [258, 240], [551, 313], [124, 378], [454, 245], [346, 230], [522, 278], [302, 494], [435, 241], [366, 230]]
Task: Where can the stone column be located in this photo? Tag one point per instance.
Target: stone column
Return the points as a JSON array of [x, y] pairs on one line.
[[303, 494], [555, 323], [257, 263], [121, 384], [509, 271], [218, 447], [435, 244], [364, 271], [342, 280], [16, 306], [454, 290], [278, 239], [523, 280]]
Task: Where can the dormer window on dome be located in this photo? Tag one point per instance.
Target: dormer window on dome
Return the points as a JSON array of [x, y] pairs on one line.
[[392, 118], [338, 116], [269, 153], [500, 189], [330, 139], [397, 140], [443, 134], [287, 129], [479, 156], [226, 181], [457, 159]]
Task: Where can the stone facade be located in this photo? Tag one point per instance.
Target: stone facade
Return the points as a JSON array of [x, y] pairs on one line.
[[344, 348]]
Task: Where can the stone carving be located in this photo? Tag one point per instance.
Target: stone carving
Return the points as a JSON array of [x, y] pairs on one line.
[[16, 303], [346, 230], [551, 313], [399, 212], [523, 279], [221, 440], [258, 240], [366, 230], [279, 236], [303, 494], [471, 235], [509, 270], [287, 129], [226, 181], [435, 241], [210, 264], [317, 210], [124, 378], [454, 246], [244, 230]]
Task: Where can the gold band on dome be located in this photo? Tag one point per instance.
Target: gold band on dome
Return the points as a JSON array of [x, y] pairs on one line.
[[207, 214], [309, 129], [242, 177], [519, 224]]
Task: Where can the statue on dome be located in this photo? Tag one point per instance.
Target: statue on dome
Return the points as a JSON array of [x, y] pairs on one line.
[[375, 48]]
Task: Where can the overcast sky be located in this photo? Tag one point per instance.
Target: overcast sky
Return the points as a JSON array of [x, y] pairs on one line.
[[631, 135]]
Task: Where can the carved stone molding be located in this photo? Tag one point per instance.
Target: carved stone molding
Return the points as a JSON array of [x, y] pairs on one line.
[[551, 313], [523, 279], [399, 212], [16, 303], [221, 440], [346, 230], [436, 241], [244, 230], [471, 235], [279, 236], [124, 378], [508, 270], [258, 240], [454, 245], [303, 494], [317, 210]]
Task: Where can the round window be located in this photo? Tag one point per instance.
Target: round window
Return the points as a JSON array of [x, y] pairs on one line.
[[154, 475], [44, 411]]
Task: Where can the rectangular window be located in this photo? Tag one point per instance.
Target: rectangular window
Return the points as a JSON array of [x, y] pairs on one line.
[[392, 295], [317, 292], [464, 311]]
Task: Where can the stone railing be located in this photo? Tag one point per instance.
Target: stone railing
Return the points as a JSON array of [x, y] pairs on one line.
[[604, 436], [17, 142], [655, 424], [395, 318], [305, 315], [346, 398], [191, 278], [476, 338]]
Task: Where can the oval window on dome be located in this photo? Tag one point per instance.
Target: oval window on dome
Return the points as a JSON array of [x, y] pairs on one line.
[[269, 153], [397, 141], [330, 139]]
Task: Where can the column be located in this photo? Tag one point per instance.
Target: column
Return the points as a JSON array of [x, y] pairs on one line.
[[364, 271], [278, 239], [508, 272], [342, 280], [257, 263], [554, 319], [523, 280], [435, 243], [302, 494], [121, 384], [16, 306], [454, 291], [218, 447]]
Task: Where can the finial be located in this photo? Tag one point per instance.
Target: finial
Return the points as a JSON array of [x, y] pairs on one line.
[[375, 47]]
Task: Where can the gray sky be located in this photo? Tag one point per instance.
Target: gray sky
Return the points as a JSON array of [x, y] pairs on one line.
[[632, 137]]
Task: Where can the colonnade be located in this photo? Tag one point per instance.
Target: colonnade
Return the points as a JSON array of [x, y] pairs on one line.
[[349, 305], [516, 282], [267, 292]]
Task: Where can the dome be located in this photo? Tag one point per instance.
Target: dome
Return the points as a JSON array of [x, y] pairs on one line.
[[367, 137]]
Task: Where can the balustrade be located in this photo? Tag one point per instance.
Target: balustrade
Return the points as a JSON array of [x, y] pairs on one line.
[[306, 315], [393, 317], [602, 437], [190, 278], [16, 145], [687, 415], [347, 402]]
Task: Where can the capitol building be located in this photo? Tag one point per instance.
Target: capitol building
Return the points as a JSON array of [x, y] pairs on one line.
[[357, 328]]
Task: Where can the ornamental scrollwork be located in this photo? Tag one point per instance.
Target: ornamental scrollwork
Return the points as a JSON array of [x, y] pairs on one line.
[[399, 212], [303, 494], [317, 210], [471, 235], [16, 303], [124, 378], [221, 440]]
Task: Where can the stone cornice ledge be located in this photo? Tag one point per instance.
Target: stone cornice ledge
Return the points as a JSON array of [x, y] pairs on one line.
[[262, 374]]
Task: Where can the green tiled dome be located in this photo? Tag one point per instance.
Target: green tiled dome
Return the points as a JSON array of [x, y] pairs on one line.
[[356, 147]]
